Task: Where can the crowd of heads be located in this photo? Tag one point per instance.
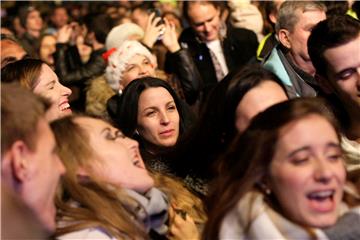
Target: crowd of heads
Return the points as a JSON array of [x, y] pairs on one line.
[[146, 162]]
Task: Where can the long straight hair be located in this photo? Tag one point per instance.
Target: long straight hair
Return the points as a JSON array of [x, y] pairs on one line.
[[248, 159], [84, 203]]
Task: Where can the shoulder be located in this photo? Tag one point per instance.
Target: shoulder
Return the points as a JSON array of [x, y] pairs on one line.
[[241, 33], [187, 35], [88, 233]]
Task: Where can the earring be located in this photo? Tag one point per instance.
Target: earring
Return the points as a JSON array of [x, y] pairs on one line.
[[264, 188]]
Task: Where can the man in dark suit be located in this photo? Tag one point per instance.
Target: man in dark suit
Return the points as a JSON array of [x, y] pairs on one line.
[[214, 48]]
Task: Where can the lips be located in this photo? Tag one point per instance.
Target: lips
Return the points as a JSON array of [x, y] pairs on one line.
[[65, 106], [322, 201], [167, 133]]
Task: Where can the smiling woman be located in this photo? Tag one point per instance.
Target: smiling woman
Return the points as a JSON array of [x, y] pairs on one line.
[[281, 176], [37, 76]]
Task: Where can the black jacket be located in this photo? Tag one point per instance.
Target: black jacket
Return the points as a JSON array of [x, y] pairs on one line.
[[239, 46], [69, 68]]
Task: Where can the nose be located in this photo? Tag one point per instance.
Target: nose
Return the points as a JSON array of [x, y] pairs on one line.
[[358, 77], [143, 70], [207, 27], [131, 143], [66, 91], [323, 172], [164, 119]]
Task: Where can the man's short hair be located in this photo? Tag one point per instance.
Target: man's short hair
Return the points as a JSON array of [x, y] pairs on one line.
[[329, 33], [21, 111], [288, 17]]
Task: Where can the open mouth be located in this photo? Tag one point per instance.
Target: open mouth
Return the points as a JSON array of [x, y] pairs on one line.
[[65, 107], [322, 201]]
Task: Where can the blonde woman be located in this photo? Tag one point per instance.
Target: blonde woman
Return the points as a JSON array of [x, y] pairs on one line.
[[108, 194]]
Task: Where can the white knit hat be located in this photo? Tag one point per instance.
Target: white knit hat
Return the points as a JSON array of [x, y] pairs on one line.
[[119, 59], [122, 32]]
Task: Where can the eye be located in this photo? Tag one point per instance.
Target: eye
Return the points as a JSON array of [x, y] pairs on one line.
[[129, 68], [146, 62], [150, 113], [299, 161], [335, 157], [172, 107], [119, 134], [346, 74]]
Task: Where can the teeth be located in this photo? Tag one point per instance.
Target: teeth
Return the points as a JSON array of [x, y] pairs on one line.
[[64, 106], [322, 194]]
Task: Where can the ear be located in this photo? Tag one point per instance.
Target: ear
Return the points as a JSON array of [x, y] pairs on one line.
[[284, 38], [272, 18], [323, 83], [21, 160]]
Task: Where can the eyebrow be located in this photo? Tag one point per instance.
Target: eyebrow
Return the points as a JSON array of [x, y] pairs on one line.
[[207, 20], [307, 148], [51, 82]]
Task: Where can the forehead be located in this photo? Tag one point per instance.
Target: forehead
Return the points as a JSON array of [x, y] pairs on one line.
[[138, 58], [10, 48], [306, 17], [33, 13], [303, 130], [199, 12], [48, 40], [47, 75], [344, 56], [91, 124], [155, 95]]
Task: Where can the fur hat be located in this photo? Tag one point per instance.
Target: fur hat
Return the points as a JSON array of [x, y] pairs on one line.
[[122, 32], [119, 59]]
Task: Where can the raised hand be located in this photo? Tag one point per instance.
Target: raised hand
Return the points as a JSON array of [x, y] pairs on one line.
[[169, 39], [152, 31]]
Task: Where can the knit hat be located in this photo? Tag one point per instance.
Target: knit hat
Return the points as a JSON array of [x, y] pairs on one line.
[[122, 32], [23, 14], [118, 61]]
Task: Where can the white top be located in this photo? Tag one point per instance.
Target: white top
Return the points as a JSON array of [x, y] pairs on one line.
[[215, 47]]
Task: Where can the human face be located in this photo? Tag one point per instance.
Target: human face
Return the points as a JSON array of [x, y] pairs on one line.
[[10, 52], [158, 119], [44, 172], [344, 67], [140, 18], [257, 100], [307, 173], [60, 17], [47, 48], [138, 66], [205, 20], [298, 38], [118, 157], [49, 87], [34, 21]]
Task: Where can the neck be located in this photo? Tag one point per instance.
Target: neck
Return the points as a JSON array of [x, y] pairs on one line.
[[305, 65], [34, 33]]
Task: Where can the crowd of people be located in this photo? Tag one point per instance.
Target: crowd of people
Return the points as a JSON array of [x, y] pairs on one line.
[[180, 120]]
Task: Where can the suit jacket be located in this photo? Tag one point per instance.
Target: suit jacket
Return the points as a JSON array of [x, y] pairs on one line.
[[239, 47]]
